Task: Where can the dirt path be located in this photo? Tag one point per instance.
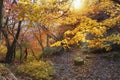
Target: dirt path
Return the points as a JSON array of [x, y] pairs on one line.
[[95, 68]]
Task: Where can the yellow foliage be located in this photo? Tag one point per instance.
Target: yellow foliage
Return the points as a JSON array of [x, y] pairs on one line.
[[37, 70], [97, 29], [3, 49], [44, 12]]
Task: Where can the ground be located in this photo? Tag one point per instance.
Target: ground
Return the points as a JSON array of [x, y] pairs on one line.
[[94, 68]]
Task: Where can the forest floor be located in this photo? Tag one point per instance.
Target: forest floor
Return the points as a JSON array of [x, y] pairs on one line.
[[94, 68]]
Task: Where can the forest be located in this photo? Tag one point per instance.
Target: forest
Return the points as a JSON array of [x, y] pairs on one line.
[[59, 39]]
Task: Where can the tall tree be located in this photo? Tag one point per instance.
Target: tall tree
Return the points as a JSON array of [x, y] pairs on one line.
[[98, 27], [1, 13], [31, 14]]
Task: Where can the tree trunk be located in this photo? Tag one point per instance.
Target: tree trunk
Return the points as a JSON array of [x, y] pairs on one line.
[[11, 50], [34, 55], [39, 39], [47, 41], [26, 54], [1, 13]]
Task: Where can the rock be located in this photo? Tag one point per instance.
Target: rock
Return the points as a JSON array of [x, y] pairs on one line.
[[6, 74], [78, 61], [11, 76], [3, 78], [88, 57]]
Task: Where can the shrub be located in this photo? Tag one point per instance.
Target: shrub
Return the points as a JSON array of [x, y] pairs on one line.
[[3, 49], [48, 51], [111, 56], [37, 70]]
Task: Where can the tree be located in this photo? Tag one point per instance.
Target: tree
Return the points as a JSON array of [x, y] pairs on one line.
[[37, 14], [118, 1], [95, 32], [30, 14], [1, 17], [1, 13]]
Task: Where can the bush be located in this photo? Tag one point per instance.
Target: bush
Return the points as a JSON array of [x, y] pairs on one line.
[[37, 70], [3, 49], [111, 56], [48, 51], [86, 49]]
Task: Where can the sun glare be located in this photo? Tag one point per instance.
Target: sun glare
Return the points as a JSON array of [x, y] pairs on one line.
[[77, 4]]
